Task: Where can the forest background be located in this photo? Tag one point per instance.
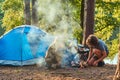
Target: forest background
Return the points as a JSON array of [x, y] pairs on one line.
[[58, 16]]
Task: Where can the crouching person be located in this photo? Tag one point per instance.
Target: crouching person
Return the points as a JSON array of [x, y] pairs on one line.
[[98, 51]]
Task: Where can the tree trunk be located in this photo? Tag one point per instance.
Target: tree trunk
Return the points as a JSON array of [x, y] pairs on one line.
[[82, 13], [117, 73], [88, 19], [34, 13], [27, 14]]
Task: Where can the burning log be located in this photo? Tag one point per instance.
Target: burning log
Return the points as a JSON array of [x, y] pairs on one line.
[[53, 56]]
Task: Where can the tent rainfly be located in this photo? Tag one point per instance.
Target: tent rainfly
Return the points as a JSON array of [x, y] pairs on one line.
[[24, 45]]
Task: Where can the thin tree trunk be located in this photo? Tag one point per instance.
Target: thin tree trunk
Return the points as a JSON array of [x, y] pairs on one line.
[[82, 18], [34, 13], [27, 14], [88, 19], [117, 73], [82, 13]]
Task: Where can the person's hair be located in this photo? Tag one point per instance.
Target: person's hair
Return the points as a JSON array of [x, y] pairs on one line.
[[92, 40]]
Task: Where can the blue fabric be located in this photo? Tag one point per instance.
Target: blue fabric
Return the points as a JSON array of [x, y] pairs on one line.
[[26, 53], [44, 45], [24, 43], [67, 58], [10, 45], [102, 46]]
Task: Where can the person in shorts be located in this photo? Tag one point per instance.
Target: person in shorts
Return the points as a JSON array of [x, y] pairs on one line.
[[98, 51]]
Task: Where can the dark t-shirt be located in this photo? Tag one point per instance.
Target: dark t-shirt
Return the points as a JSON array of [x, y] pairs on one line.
[[102, 46]]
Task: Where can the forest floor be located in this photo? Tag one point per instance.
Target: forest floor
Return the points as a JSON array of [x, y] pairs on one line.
[[36, 73]]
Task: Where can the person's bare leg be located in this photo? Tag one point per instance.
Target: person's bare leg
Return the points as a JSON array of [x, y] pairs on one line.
[[98, 55], [91, 61]]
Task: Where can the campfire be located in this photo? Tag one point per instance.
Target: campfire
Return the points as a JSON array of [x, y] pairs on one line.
[[59, 54]]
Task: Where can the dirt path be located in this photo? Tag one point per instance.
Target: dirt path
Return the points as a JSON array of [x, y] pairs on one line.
[[36, 73]]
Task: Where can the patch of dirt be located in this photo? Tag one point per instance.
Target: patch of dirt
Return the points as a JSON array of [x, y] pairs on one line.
[[37, 73]]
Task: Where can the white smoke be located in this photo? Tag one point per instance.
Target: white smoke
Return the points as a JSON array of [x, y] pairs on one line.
[[56, 13], [49, 9]]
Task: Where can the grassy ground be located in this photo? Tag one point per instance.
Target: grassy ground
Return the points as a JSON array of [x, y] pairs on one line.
[[37, 73]]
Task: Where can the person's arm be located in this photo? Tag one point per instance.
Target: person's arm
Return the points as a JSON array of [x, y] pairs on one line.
[[90, 54], [104, 54]]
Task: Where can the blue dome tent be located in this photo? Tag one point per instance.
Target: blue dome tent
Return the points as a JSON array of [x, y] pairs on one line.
[[24, 45]]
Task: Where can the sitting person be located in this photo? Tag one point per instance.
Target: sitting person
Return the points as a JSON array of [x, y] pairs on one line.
[[98, 51]]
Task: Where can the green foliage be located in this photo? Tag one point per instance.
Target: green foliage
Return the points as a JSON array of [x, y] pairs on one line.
[[76, 8], [1, 16], [15, 5], [76, 4], [77, 33], [107, 21], [11, 20], [13, 13], [1, 12]]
